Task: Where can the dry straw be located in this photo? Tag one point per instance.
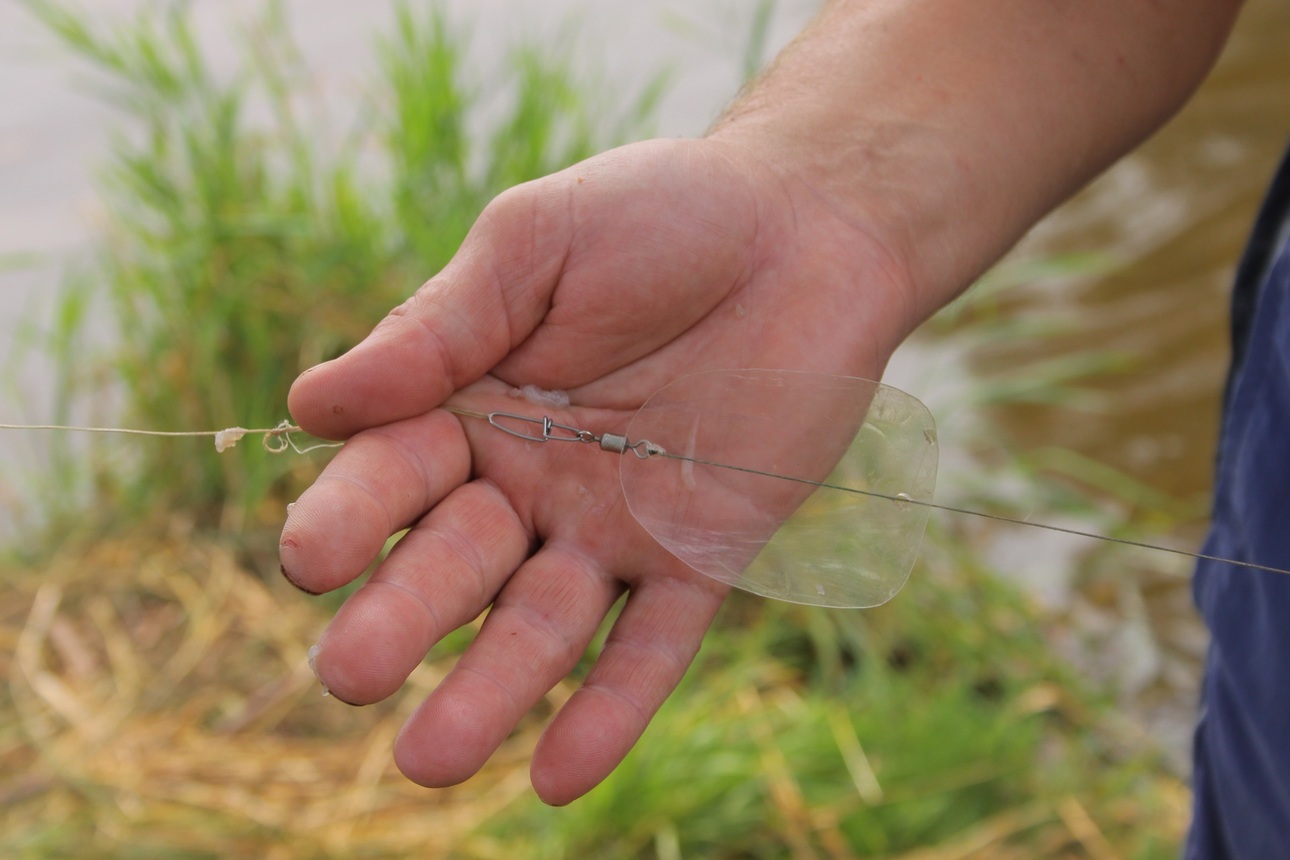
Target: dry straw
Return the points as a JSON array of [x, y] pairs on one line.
[[159, 696]]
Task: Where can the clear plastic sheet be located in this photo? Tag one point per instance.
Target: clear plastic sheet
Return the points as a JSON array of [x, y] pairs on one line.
[[790, 485]]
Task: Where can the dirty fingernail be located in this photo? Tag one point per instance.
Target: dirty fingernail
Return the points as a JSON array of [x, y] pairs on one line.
[[312, 656], [282, 568]]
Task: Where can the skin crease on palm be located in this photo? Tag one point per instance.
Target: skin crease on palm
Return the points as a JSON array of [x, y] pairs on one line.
[[842, 200], [606, 310]]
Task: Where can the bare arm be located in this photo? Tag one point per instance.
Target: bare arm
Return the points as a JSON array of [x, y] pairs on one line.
[[946, 128]]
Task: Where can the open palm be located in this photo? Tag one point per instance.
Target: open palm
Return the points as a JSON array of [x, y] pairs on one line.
[[605, 281]]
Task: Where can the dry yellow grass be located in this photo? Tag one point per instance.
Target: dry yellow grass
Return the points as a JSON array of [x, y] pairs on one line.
[[158, 702], [158, 696]]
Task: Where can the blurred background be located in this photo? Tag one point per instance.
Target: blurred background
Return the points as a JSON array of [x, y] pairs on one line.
[[199, 199]]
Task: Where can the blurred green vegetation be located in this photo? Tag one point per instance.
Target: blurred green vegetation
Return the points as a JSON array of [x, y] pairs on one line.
[[940, 725], [158, 702], [240, 250]]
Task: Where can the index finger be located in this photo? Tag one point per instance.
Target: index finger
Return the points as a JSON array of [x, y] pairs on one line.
[[378, 484]]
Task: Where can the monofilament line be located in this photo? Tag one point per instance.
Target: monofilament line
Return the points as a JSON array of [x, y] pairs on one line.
[[900, 499], [275, 440]]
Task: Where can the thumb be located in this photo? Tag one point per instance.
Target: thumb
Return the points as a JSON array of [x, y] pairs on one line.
[[457, 326]]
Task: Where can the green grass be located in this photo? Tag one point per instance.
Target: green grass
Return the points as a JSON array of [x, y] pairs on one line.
[[807, 732], [158, 701], [240, 251]]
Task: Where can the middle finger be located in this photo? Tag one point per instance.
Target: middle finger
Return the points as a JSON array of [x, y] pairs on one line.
[[439, 576]]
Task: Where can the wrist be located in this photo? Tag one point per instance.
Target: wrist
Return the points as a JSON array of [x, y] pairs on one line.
[[856, 178], [945, 130]]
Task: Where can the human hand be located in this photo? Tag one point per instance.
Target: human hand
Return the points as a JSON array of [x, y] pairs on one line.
[[606, 281]]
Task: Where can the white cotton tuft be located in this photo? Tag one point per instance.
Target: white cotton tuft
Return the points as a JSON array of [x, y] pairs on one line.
[[541, 397], [226, 439]]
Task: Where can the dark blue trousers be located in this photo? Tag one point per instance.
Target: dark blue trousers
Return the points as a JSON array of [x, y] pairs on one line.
[[1242, 744]]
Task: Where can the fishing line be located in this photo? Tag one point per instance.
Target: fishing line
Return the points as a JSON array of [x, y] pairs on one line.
[[275, 440], [279, 439], [547, 430], [901, 499]]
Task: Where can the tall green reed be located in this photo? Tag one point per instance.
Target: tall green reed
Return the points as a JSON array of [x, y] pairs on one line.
[[239, 249]]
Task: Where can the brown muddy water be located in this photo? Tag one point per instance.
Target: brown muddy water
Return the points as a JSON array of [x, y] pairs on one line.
[[1172, 219], [1149, 326]]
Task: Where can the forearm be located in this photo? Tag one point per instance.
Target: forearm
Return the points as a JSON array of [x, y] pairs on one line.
[[946, 128]]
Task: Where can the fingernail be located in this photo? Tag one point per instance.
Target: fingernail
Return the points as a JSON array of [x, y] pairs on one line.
[[312, 656], [282, 568]]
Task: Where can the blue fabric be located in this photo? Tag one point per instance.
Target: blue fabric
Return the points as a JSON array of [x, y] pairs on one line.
[[1242, 744]]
